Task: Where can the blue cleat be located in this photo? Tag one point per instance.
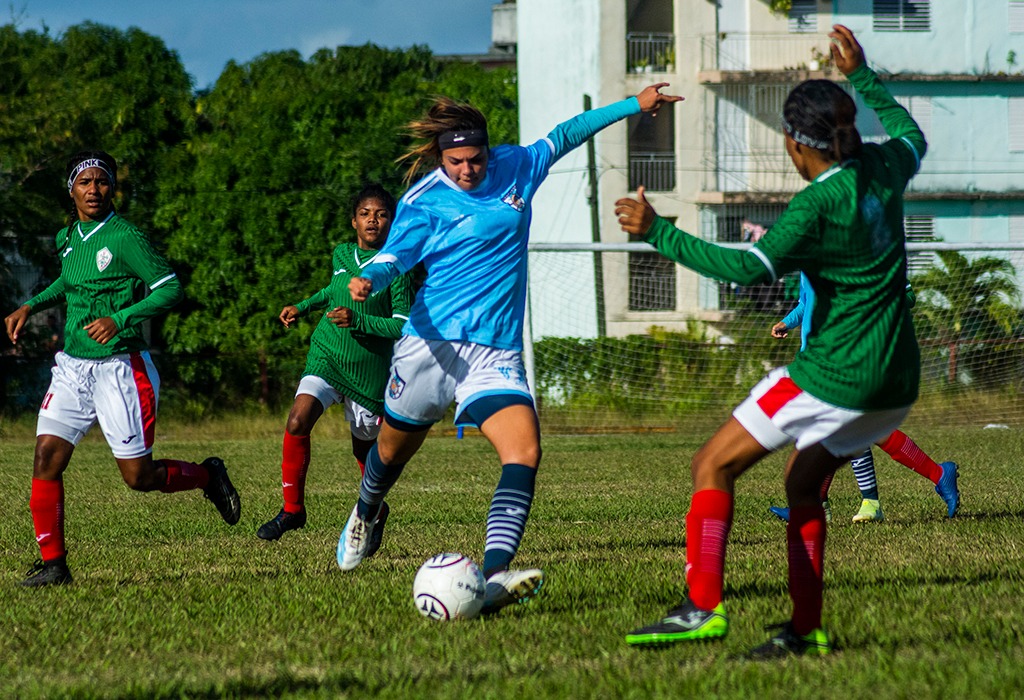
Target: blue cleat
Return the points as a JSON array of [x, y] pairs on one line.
[[947, 488], [780, 513]]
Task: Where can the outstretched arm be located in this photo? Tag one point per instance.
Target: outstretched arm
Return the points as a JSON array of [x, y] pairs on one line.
[[574, 132], [743, 267]]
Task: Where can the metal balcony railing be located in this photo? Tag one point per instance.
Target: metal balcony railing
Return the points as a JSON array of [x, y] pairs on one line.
[[650, 52], [655, 171], [736, 51]]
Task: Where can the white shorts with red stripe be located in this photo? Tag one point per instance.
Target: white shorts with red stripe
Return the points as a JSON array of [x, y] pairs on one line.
[[778, 412], [119, 392], [364, 423]]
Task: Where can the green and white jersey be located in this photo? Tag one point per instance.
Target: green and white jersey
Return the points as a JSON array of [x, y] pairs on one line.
[[106, 268], [356, 360], [845, 232]]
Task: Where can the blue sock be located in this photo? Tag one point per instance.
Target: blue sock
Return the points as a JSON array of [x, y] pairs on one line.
[[506, 519], [377, 481], [864, 471]]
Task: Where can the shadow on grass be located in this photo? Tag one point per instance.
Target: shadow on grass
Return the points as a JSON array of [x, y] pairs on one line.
[[278, 686]]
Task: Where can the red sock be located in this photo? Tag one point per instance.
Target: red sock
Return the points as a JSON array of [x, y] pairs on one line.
[[707, 530], [47, 506], [294, 463], [906, 452], [362, 467], [806, 538], [825, 485], [183, 476]]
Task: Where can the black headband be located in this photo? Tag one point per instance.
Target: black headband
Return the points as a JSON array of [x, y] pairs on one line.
[[462, 137]]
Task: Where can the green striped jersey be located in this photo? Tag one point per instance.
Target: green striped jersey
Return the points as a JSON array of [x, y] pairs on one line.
[[356, 360], [845, 232], [106, 268]]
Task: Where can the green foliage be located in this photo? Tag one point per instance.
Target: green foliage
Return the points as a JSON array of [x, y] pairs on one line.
[[663, 372], [91, 87], [968, 310], [260, 194]]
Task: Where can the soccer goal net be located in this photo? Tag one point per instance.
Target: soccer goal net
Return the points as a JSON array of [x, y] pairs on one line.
[[619, 338]]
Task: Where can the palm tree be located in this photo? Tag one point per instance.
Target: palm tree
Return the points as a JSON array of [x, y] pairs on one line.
[[966, 299]]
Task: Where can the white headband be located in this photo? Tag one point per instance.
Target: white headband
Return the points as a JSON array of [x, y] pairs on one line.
[[803, 138], [85, 165]]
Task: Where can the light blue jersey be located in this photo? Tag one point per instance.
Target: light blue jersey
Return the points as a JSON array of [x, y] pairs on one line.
[[800, 313], [473, 244]]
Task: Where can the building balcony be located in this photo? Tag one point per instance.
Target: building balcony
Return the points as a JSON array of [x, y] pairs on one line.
[[650, 52], [655, 171]]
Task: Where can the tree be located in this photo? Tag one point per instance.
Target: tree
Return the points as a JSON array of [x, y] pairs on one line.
[[963, 299], [259, 194]]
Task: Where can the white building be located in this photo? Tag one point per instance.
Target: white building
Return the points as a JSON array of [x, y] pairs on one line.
[[716, 162]]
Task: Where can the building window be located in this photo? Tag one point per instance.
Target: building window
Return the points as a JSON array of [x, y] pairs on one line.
[[652, 154], [919, 228], [1016, 17], [1015, 117], [650, 41], [901, 15], [920, 109], [652, 281], [803, 17]]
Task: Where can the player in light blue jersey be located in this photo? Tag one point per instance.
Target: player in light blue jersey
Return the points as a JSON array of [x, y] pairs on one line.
[[468, 223]]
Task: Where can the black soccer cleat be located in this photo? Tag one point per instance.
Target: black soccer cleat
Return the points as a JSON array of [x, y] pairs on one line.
[[786, 642], [377, 536], [48, 573], [282, 523], [220, 491]]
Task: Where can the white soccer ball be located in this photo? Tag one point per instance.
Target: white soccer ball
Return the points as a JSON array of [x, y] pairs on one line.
[[449, 587]]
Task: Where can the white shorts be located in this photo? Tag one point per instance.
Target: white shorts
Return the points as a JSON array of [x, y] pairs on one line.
[[119, 392], [778, 412], [426, 375], [364, 423]]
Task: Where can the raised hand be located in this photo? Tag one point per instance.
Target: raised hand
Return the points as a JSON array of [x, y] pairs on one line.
[[651, 99], [635, 215], [846, 51]]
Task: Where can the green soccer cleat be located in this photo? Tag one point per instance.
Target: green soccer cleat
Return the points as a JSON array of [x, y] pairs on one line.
[[870, 511], [687, 622], [788, 643]]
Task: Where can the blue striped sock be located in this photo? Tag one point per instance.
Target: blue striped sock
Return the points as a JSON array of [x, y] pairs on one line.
[[864, 471], [378, 479], [506, 519]]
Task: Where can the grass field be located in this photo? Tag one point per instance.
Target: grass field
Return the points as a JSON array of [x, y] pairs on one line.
[[170, 602]]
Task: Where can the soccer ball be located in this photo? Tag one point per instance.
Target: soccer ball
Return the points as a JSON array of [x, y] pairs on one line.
[[449, 587]]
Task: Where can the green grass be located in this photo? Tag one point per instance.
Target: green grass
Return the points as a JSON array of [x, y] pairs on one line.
[[170, 602]]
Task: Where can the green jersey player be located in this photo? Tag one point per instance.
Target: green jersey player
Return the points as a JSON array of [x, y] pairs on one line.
[[349, 356], [858, 376], [105, 373]]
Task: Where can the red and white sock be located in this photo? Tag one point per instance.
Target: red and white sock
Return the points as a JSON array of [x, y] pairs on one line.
[[294, 464], [183, 476], [707, 530], [805, 536], [47, 506], [906, 452]]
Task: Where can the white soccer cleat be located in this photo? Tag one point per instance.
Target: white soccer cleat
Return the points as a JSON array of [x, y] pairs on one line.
[[507, 587], [354, 542]]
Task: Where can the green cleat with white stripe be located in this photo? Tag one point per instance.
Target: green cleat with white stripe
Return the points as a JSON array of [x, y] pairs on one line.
[[687, 622]]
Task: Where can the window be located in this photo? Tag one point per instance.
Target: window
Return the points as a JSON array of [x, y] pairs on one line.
[[1015, 117], [652, 156], [803, 17], [901, 15], [919, 228], [1016, 23], [920, 109], [652, 281]]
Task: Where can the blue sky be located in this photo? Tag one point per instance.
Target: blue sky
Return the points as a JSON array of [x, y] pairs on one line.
[[208, 33]]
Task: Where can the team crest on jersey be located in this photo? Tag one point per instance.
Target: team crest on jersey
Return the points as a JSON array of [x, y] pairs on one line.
[[512, 198], [103, 259], [396, 386]]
